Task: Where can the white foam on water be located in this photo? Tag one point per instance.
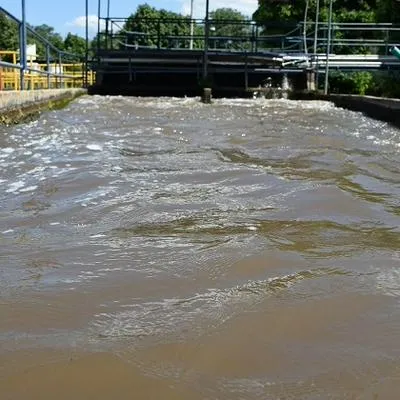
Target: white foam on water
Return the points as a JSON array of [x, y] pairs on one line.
[[388, 281], [94, 147], [28, 188], [15, 186]]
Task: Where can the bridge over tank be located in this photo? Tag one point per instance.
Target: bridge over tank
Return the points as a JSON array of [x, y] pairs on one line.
[[164, 72], [133, 62]]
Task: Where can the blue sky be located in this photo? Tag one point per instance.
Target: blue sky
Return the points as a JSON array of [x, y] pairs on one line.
[[68, 16]]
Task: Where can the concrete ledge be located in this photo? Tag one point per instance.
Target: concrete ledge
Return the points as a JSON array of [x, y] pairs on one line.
[[384, 109], [381, 108], [17, 106]]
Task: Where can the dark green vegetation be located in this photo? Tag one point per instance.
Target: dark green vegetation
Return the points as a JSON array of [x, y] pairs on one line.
[[385, 83], [343, 10], [145, 25]]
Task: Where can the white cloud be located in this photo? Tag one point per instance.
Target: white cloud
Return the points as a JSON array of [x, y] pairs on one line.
[[80, 22], [246, 7]]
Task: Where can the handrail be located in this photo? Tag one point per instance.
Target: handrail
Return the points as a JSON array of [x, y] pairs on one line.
[[50, 48], [251, 34]]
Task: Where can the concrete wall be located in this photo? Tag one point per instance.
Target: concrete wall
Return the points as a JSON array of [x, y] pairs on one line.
[[384, 109], [16, 106]]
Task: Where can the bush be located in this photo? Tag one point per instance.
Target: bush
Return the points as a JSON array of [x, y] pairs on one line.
[[351, 82], [378, 83]]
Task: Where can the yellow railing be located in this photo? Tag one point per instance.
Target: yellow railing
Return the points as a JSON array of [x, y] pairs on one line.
[[69, 75]]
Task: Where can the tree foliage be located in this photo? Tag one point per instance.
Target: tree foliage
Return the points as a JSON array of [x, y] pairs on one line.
[[47, 32], [151, 27], [8, 34], [344, 11], [75, 44], [229, 23], [9, 39], [156, 28]]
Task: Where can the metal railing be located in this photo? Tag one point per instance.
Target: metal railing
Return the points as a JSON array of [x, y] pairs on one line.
[[175, 34], [53, 68], [71, 75], [245, 36]]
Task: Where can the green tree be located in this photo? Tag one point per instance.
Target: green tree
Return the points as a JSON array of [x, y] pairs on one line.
[[75, 44], [230, 27], [47, 32], [153, 28], [271, 13], [8, 34]]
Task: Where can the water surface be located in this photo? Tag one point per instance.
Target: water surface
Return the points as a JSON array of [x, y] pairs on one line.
[[244, 250]]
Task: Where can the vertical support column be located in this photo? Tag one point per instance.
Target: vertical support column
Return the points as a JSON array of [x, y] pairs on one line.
[[206, 35], [246, 74], [107, 22], [285, 85], [15, 74], [1, 78], [60, 69], [253, 37], [310, 76], [22, 47], [48, 65], [328, 45], [98, 24], [85, 71], [207, 95], [386, 42], [191, 25], [316, 28], [158, 34]]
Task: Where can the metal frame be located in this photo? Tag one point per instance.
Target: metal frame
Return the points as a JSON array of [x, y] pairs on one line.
[[251, 40]]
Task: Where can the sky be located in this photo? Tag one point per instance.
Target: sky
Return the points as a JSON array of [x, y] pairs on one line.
[[69, 16]]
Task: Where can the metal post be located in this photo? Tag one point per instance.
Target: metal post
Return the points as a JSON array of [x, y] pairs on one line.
[[316, 28], [246, 74], [159, 35], [206, 35], [98, 24], [86, 43], [107, 22], [22, 45], [328, 46], [305, 45], [191, 25], [48, 65], [256, 40], [60, 69]]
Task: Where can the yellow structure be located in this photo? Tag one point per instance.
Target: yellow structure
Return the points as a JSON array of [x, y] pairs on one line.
[[66, 75]]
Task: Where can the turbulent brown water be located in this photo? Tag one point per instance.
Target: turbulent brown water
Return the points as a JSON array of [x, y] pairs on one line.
[[245, 250]]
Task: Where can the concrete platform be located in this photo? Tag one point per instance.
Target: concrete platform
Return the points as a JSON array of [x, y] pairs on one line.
[[16, 106]]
